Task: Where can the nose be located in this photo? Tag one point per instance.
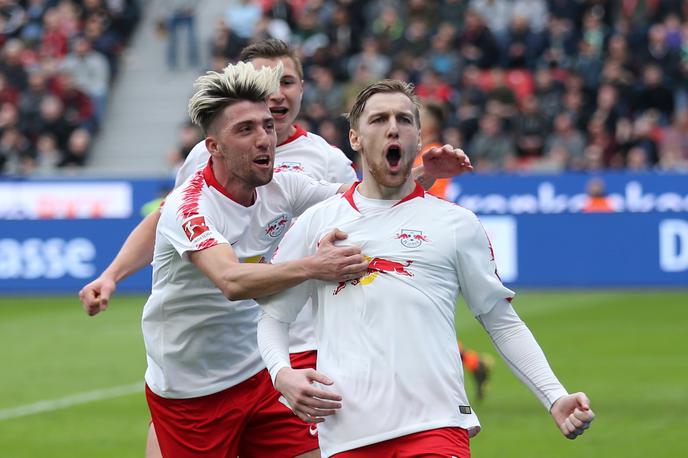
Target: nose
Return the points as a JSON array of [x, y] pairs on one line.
[[277, 96], [263, 139], [392, 128]]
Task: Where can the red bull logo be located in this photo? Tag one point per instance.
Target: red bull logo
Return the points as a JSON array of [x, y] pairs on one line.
[[289, 166], [411, 238], [378, 266], [276, 227]]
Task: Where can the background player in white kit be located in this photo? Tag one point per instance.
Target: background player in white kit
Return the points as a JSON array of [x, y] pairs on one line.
[[387, 340]]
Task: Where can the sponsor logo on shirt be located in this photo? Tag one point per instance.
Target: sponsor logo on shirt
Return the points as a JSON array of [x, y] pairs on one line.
[[378, 266], [276, 227], [289, 166], [411, 238], [194, 227]]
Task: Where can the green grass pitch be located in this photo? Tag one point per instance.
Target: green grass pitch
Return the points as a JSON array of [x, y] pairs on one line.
[[626, 349]]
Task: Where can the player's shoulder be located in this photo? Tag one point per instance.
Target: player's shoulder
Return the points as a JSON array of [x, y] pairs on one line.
[[186, 197], [449, 209], [325, 209], [316, 141]]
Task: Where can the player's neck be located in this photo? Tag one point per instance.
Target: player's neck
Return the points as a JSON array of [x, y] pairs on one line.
[[371, 189], [236, 189], [284, 135]]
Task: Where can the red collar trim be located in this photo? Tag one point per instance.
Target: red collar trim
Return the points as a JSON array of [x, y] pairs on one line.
[[212, 182], [349, 196], [418, 191], [299, 133]]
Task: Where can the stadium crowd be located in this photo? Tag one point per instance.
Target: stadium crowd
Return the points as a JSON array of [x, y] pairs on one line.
[[523, 85], [57, 61]]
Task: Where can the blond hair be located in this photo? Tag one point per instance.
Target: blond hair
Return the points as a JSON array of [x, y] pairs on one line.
[[237, 82]]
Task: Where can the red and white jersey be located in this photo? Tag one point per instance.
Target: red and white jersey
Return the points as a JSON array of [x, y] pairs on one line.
[[303, 152], [197, 341], [388, 340]]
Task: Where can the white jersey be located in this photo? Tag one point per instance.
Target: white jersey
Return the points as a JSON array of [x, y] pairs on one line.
[[303, 152], [197, 341], [388, 339]]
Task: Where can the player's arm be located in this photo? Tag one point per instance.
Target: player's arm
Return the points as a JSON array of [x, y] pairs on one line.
[[135, 254], [525, 358], [441, 162], [239, 280], [308, 402]]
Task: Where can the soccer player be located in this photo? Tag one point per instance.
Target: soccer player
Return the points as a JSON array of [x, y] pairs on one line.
[[207, 389], [388, 364]]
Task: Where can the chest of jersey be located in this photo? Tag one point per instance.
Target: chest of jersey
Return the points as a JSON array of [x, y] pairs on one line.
[[402, 249]]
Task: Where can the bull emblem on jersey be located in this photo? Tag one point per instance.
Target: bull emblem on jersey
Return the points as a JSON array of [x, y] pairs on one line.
[[276, 227], [410, 238], [378, 266], [194, 227], [289, 166]]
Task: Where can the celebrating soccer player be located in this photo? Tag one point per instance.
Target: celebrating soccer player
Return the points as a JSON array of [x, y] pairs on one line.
[[389, 375]]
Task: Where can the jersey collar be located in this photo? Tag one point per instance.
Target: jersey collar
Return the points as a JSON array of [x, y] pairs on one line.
[[418, 191], [299, 133], [212, 182]]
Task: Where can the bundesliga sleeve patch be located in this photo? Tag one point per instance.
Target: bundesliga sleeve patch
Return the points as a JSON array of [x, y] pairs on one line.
[[466, 410], [195, 227]]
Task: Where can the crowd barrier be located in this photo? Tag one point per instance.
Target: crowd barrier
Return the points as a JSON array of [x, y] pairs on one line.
[[57, 235]]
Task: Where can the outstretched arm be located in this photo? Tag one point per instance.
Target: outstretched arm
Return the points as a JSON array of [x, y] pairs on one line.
[[441, 162], [516, 344], [135, 254]]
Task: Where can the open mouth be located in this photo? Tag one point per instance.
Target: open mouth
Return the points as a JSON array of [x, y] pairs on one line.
[[279, 112], [393, 156], [263, 160]]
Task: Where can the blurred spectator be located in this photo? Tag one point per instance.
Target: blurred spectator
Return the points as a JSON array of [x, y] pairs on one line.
[[597, 201], [243, 17], [431, 127], [77, 150], [673, 147], [530, 130], [12, 65], [181, 15], [377, 64], [189, 135], [490, 148], [91, 73], [567, 138], [14, 147], [477, 44], [654, 94]]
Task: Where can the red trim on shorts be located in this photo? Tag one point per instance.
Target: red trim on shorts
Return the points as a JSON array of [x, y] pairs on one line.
[[304, 360], [440, 442], [245, 420]]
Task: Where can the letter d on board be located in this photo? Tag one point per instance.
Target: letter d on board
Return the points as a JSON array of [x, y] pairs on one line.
[[673, 245]]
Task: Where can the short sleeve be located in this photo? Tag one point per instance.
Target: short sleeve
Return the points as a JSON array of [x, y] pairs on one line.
[[304, 192], [297, 244], [186, 234], [477, 271], [195, 161]]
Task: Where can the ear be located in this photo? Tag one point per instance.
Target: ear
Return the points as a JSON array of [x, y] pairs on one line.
[[354, 139], [212, 146]]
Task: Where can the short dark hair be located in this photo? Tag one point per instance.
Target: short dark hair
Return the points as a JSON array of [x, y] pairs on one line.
[[271, 48], [382, 87]]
